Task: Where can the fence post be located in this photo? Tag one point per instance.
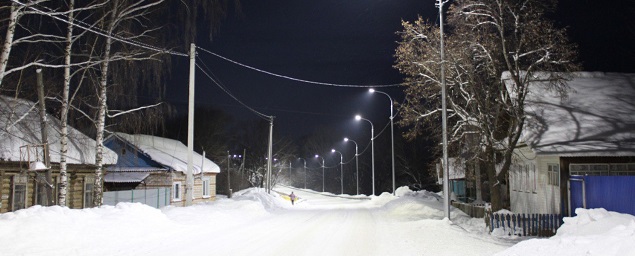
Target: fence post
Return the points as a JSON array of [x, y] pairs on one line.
[[524, 225]]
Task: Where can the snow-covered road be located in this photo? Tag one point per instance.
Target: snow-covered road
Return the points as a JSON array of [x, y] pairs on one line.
[[326, 225], [251, 223]]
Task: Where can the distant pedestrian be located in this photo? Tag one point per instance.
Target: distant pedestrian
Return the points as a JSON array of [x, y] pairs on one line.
[[292, 197]]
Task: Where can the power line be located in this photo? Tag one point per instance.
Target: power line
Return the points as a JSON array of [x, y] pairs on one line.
[[296, 79], [218, 83]]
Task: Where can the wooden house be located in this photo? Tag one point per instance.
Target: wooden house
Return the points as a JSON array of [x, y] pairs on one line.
[[577, 151], [150, 162], [465, 182], [21, 149]]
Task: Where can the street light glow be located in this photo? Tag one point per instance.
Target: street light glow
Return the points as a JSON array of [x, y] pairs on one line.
[[332, 150], [371, 90], [346, 139], [358, 117]]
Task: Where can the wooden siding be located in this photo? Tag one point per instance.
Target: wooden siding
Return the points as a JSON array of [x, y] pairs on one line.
[[545, 198], [197, 192], [75, 196]]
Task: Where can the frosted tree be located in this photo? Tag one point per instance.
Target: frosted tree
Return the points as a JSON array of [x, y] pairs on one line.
[[118, 21], [12, 12], [485, 39]]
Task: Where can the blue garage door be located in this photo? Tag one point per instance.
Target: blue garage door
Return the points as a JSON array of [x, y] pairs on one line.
[[613, 193]]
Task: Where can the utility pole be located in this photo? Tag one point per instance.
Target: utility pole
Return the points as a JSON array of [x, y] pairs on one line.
[[189, 177], [269, 159], [229, 188], [446, 174], [48, 192]]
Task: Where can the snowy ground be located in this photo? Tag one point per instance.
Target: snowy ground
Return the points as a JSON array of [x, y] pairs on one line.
[[255, 223]]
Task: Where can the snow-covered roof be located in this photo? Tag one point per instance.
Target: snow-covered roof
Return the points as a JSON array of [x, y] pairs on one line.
[[20, 126], [456, 169], [596, 119], [169, 152]]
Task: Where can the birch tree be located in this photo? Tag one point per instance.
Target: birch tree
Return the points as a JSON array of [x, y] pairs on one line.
[[117, 20], [485, 39], [15, 11]]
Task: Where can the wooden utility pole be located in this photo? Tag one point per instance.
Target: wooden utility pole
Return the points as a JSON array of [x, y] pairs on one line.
[[43, 128]]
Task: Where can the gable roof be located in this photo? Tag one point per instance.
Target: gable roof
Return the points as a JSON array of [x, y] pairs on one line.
[[596, 119], [20, 125], [170, 153]]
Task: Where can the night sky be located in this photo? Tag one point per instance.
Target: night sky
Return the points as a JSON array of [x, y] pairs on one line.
[[353, 42]]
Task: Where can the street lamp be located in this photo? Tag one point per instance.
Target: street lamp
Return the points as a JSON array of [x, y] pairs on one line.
[[356, 164], [316, 156], [341, 169], [304, 170], [372, 147], [392, 137]]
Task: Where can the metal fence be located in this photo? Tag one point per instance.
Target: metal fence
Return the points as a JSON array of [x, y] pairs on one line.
[[542, 225], [474, 211], [156, 197]]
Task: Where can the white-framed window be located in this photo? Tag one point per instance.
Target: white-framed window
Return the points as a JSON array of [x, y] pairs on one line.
[[40, 186], [18, 192], [512, 177], [206, 187], [553, 174], [533, 178], [89, 190], [176, 191], [527, 179]]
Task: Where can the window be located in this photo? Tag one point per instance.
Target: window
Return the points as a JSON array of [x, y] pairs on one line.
[[513, 176], [176, 191], [206, 192], [41, 195], [18, 195], [589, 169], [89, 185], [527, 180], [533, 178], [553, 174]]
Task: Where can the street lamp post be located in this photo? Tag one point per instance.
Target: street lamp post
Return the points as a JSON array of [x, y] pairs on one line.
[[341, 169], [356, 164], [372, 147], [316, 156], [392, 137], [304, 170]]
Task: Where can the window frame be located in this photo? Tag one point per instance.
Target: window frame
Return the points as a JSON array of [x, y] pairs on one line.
[[206, 187], [553, 176], [177, 187], [19, 180], [88, 194]]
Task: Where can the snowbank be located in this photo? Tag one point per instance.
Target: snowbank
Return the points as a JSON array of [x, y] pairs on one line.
[[250, 223], [591, 232]]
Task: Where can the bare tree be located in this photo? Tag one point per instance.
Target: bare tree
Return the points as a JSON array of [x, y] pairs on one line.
[[117, 20], [486, 39]]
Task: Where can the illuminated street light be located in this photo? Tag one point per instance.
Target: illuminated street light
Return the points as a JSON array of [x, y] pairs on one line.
[[356, 164], [392, 137], [372, 147]]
